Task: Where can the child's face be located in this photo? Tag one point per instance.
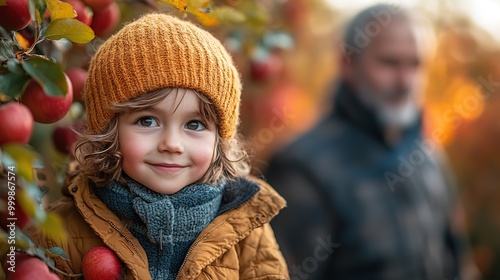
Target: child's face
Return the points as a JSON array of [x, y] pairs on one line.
[[167, 146]]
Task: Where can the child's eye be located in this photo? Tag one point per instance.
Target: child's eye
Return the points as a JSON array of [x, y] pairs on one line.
[[147, 122], [195, 125]]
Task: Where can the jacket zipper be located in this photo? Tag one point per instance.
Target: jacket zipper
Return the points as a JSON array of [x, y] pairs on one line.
[[196, 243], [126, 238], [184, 261]]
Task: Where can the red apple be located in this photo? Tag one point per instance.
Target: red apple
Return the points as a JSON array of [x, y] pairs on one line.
[[10, 261], [77, 76], [45, 108], [16, 125], [84, 14], [101, 263], [32, 268], [98, 5], [64, 139], [13, 260], [105, 21], [262, 70], [14, 15]]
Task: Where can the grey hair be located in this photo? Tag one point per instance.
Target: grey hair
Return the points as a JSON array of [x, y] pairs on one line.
[[378, 16]]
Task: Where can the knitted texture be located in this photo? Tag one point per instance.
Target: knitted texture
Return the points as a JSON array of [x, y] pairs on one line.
[[160, 51], [165, 225]]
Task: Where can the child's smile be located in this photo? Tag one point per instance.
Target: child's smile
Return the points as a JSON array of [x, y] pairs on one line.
[[167, 146]]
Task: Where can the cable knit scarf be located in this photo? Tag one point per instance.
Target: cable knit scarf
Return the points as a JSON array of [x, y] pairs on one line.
[[165, 225]]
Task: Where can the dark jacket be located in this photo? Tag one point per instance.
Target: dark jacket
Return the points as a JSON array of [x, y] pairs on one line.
[[359, 208], [237, 244]]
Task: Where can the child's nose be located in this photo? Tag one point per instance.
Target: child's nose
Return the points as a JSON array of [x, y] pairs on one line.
[[171, 142]]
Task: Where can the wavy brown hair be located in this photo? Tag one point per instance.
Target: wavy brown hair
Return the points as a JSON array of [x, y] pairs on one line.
[[100, 159]]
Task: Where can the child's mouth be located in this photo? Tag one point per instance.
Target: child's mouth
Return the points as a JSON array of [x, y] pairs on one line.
[[168, 167]]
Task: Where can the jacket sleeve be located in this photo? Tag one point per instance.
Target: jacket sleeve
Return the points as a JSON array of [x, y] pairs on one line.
[[307, 220], [260, 256]]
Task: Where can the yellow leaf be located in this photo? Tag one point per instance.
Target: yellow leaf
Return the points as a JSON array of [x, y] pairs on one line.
[[71, 29], [25, 157], [178, 4], [22, 41], [207, 19], [38, 16], [59, 10], [53, 227]]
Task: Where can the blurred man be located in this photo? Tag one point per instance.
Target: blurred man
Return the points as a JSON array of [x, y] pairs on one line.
[[368, 197]]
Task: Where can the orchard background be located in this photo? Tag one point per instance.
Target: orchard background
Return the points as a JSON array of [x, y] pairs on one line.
[[286, 51]]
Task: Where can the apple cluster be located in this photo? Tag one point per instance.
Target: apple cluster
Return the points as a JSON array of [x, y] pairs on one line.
[[35, 105], [101, 15]]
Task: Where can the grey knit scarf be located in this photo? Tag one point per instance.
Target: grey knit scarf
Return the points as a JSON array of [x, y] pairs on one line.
[[165, 225]]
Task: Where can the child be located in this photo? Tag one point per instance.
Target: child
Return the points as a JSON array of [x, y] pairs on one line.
[[159, 180]]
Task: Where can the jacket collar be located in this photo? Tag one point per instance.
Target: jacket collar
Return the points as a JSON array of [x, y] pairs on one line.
[[232, 226], [109, 228], [247, 204], [348, 107]]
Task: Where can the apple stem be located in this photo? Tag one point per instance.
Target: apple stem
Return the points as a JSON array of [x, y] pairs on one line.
[[28, 55], [38, 38], [30, 49], [64, 273]]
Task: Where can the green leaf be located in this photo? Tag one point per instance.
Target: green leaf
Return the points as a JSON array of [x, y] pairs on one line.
[[40, 252], [14, 66], [13, 84], [37, 10], [22, 240], [48, 74], [57, 252], [71, 29], [6, 49], [60, 10]]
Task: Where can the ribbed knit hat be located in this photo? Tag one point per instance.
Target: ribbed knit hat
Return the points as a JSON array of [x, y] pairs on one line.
[[160, 51]]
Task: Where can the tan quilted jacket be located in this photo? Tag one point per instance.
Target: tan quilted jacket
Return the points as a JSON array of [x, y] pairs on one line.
[[238, 244]]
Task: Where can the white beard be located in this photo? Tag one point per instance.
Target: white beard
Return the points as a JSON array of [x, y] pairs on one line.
[[402, 116]]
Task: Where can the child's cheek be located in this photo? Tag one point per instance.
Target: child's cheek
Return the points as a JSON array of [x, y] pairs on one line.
[[202, 154], [132, 153]]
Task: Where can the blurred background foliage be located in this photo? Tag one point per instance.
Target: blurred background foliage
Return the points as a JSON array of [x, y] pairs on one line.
[[288, 51]]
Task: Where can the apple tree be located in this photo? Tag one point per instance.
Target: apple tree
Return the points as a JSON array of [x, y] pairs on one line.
[[33, 88], [40, 83]]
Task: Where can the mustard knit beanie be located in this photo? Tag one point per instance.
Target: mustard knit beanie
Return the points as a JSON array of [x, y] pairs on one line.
[[159, 51]]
